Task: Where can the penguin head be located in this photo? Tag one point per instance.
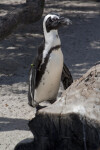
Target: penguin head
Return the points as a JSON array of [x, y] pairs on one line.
[[53, 22]]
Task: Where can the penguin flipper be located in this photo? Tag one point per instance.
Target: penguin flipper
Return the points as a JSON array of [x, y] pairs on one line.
[[32, 79], [66, 77], [33, 74]]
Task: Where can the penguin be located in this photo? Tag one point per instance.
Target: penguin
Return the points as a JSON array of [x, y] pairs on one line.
[[48, 69]]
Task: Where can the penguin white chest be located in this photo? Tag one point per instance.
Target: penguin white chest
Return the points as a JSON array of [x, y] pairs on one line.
[[49, 84]]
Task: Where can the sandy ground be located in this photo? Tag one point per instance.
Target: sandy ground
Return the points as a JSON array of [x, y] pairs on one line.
[[81, 48]]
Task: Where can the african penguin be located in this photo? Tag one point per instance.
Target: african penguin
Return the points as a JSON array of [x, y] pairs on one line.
[[48, 68]]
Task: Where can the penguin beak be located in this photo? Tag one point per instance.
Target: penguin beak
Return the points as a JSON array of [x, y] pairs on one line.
[[64, 21]]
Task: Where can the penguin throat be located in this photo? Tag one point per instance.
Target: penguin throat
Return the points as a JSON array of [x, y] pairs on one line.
[[51, 40], [51, 37]]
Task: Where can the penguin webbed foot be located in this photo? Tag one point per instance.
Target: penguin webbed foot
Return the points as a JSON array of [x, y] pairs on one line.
[[38, 107], [52, 101], [30, 104]]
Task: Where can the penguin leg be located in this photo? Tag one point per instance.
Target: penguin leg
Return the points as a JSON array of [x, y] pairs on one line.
[[52, 100]]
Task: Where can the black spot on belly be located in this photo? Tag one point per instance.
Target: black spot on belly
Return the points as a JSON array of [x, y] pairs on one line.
[[57, 35], [47, 71]]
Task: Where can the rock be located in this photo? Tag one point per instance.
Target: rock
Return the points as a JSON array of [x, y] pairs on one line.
[[72, 122]]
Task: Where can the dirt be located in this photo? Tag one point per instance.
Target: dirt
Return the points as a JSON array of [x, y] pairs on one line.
[[80, 46]]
